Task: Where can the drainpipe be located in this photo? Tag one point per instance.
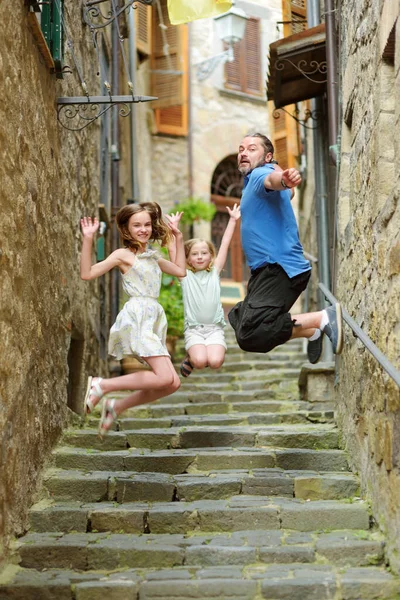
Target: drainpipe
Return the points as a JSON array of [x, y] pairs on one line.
[[133, 116], [115, 201], [321, 190], [332, 84], [190, 114]]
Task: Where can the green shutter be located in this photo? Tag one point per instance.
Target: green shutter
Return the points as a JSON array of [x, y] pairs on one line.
[[53, 31]]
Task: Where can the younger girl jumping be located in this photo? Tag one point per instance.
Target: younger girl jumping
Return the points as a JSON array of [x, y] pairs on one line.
[[141, 326], [204, 315]]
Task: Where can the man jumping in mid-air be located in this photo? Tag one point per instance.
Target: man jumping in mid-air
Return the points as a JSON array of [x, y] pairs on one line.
[[279, 271]]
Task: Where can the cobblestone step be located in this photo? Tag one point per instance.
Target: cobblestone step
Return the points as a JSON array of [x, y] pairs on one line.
[[291, 581], [280, 398], [209, 420], [127, 486], [104, 550], [284, 436], [179, 461], [241, 368]]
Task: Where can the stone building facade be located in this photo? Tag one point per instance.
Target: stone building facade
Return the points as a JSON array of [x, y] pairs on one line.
[[368, 250], [49, 333], [174, 167], [361, 193]]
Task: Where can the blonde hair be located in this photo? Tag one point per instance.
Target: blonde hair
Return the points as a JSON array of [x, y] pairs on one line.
[[160, 230], [189, 245]]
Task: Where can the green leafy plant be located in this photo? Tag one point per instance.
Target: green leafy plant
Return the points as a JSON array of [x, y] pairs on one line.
[[195, 209], [171, 300]]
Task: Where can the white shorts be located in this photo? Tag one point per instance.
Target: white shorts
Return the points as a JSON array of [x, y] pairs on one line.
[[206, 335]]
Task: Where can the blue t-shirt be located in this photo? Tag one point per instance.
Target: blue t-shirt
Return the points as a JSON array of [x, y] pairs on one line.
[[269, 228]]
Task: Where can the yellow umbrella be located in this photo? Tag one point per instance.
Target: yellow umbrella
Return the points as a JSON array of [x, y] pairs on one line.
[[183, 11]]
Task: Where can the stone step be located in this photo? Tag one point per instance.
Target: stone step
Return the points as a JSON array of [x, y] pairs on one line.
[[210, 420], [259, 373], [129, 486], [274, 383], [280, 581], [284, 436], [177, 461], [232, 403], [167, 542], [276, 397], [235, 367]]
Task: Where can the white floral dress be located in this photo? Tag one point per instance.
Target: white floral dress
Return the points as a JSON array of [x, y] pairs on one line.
[[141, 327]]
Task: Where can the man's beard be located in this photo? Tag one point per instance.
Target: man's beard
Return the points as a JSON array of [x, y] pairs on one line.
[[245, 169]]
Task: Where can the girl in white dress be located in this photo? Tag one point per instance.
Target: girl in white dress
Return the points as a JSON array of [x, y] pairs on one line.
[[204, 315], [141, 327]]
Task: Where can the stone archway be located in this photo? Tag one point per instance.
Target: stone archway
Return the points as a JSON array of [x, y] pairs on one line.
[[226, 190]]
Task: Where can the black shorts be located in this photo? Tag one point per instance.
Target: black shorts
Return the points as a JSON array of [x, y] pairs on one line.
[[262, 321]]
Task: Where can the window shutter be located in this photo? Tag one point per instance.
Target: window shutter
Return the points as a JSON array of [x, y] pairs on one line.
[[143, 19], [232, 69], [171, 108], [284, 136], [244, 73], [253, 57], [294, 15], [166, 86]]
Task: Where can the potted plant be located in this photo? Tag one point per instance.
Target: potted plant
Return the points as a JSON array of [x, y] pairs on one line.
[[195, 210]]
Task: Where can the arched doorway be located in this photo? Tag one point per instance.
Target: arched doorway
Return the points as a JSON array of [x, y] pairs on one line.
[[226, 189]]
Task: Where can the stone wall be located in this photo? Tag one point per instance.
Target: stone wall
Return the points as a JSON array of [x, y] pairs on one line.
[[48, 178], [369, 253]]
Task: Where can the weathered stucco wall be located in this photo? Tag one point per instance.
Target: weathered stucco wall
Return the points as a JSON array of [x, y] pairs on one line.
[[369, 253], [48, 178]]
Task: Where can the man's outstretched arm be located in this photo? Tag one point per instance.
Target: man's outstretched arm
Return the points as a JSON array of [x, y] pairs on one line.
[[282, 180]]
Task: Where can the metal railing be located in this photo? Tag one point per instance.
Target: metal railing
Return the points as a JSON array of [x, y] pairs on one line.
[[368, 343]]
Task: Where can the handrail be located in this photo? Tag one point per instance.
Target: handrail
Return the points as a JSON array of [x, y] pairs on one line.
[[368, 343]]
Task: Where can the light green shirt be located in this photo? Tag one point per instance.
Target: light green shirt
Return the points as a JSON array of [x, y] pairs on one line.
[[202, 298]]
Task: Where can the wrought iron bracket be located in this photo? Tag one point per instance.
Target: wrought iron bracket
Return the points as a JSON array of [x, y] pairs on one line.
[[314, 115], [206, 67], [314, 67], [78, 112], [94, 17]]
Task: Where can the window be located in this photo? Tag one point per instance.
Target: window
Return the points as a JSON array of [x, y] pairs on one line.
[[169, 73], [244, 73], [284, 136], [294, 16], [46, 21], [143, 19]]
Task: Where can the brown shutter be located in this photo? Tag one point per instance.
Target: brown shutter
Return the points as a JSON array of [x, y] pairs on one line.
[[232, 69], [244, 73], [165, 85], [284, 136], [143, 19], [252, 74], [171, 108], [294, 14]]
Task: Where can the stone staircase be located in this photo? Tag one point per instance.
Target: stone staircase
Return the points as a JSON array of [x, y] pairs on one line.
[[231, 488]]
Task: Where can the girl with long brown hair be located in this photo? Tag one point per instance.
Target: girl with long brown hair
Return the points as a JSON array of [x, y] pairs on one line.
[[141, 327]]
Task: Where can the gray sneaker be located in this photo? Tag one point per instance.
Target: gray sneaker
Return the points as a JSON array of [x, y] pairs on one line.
[[334, 329], [314, 350]]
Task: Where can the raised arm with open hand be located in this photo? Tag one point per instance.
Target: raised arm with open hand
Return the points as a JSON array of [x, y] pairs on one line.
[[222, 255], [173, 221]]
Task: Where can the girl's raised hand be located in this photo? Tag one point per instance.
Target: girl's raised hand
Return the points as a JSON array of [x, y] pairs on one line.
[[234, 212], [89, 226], [173, 221]]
